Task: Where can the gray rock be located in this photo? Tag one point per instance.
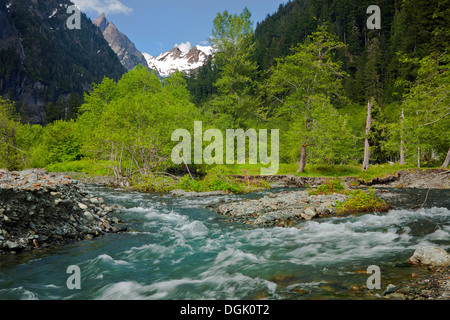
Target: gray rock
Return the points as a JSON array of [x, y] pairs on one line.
[[390, 289], [13, 245], [33, 178], [82, 206], [430, 256], [89, 216], [119, 227], [309, 213]]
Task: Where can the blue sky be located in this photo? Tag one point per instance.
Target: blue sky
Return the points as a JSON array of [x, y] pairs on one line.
[[156, 26]]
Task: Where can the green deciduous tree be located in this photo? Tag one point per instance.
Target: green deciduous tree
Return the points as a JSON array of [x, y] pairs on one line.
[[131, 122], [305, 86], [427, 111]]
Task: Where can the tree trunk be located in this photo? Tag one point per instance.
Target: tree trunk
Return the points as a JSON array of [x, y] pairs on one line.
[[302, 165], [366, 141], [447, 160], [15, 159], [402, 145], [7, 149], [418, 157]]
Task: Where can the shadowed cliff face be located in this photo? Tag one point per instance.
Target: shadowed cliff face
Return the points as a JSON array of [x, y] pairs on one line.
[[128, 55], [41, 59]]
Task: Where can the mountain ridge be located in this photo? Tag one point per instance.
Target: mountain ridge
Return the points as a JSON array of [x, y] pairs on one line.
[[125, 49], [183, 58]]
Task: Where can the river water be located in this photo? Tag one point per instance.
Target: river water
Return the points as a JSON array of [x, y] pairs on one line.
[[178, 249]]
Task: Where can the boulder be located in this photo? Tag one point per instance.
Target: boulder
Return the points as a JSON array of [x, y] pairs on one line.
[[309, 213], [430, 256]]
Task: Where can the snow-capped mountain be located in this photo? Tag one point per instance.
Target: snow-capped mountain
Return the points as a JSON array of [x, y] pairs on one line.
[[183, 58]]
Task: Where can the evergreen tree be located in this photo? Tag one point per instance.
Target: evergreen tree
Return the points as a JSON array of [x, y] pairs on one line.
[[74, 102], [232, 40], [52, 113]]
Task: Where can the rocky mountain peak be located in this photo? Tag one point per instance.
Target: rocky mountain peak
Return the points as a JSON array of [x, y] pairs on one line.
[[101, 22], [125, 49]]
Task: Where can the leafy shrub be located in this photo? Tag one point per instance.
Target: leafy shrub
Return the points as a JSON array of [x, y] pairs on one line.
[[329, 187], [153, 183], [217, 178], [360, 201], [87, 166]]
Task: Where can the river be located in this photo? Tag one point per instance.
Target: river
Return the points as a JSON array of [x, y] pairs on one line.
[[177, 249]]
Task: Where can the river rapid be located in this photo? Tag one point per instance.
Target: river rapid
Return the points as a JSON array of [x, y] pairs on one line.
[[176, 248]]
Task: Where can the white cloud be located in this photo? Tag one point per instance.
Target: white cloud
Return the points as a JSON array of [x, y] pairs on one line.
[[106, 6], [184, 47]]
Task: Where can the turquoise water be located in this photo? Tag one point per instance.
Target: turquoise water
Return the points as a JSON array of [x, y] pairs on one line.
[[178, 249]]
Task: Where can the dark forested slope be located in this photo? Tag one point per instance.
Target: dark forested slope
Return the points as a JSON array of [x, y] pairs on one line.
[[42, 59]]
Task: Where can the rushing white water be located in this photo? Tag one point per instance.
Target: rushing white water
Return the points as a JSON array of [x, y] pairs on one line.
[[177, 249]]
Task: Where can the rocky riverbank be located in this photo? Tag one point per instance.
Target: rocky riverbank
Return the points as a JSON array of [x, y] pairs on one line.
[[430, 282], [284, 209], [39, 209], [413, 178]]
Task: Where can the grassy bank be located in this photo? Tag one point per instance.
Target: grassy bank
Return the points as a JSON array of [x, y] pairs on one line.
[[220, 177], [330, 171]]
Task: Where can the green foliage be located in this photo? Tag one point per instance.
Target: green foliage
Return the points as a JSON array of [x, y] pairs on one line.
[[131, 122], [89, 166], [360, 201], [153, 183], [306, 87], [232, 40], [329, 187], [59, 143], [217, 178], [307, 70], [427, 110], [9, 152], [415, 27], [201, 83]]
